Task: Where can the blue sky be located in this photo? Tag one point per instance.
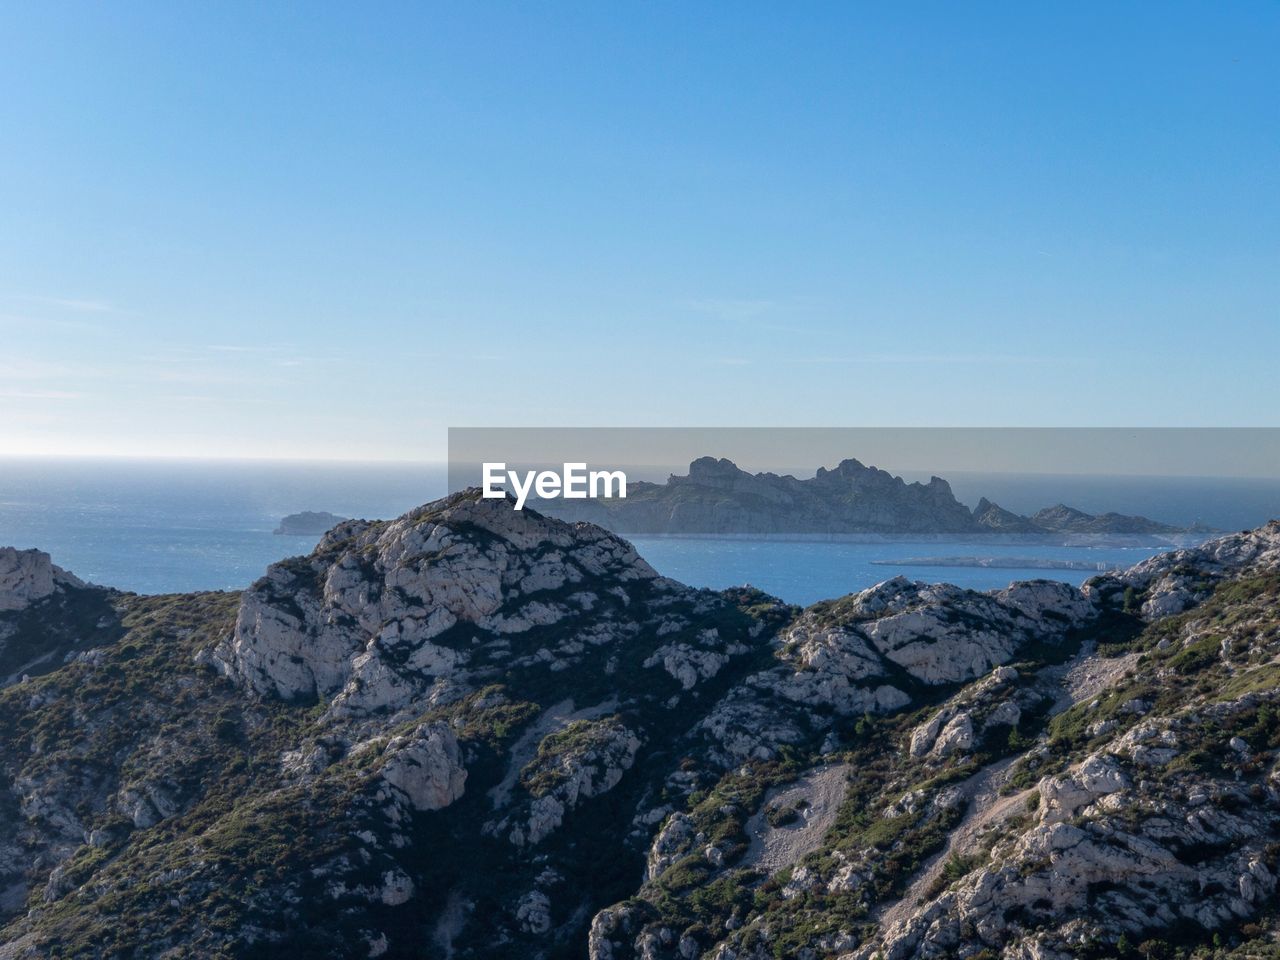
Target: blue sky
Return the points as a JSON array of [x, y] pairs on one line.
[[335, 230]]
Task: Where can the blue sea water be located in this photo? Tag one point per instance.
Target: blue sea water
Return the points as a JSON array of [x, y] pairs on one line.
[[805, 572], [168, 527], [160, 527]]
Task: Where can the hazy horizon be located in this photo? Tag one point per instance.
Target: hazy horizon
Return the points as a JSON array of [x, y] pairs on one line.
[[159, 525]]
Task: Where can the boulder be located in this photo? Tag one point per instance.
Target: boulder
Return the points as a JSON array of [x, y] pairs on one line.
[[426, 766]]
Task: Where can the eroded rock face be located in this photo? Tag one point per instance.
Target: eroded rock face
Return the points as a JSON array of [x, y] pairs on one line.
[[383, 614], [584, 760], [939, 633], [1120, 844], [871, 651], [27, 576], [426, 766], [669, 844], [994, 702], [47, 616], [1062, 797], [943, 634], [691, 663], [1170, 583], [533, 913]]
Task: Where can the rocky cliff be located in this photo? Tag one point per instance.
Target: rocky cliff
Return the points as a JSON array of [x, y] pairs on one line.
[[29, 576], [46, 614], [476, 732], [717, 497]]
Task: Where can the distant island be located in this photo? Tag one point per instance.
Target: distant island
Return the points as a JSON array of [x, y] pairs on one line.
[[308, 523], [718, 497]]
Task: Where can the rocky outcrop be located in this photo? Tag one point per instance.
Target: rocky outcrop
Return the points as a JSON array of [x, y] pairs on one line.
[[942, 634], [308, 523], [1114, 850], [586, 759], [384, 615], [1170, 820], [872, 652], [671, 842], [994, 704], [47, 616], [1169, 583], [27, 576], [1061, 798], [426, 766]]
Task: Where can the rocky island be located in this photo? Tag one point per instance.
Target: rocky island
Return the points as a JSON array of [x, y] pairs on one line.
[[309, 523], [717, 497], [472, 732]]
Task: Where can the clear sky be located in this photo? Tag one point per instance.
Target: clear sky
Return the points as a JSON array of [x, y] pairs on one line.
[[333, 230]]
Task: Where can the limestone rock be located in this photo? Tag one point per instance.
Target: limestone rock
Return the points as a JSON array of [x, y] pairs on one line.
[[1170, 583], [359, 620], [426, 766], [955, 737], [533, 913], [27, 576], [1062, 797], [582, 761]]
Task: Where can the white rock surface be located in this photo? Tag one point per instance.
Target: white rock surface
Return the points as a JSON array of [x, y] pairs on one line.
[[27, 576], [426, 766], [1178, 580], [1108, 854], [358, 620], [1061, 798], [585, 760]]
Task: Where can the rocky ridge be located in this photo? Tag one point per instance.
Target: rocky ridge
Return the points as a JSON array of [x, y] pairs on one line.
[[475, 732], [718, 497], [1162, 822]]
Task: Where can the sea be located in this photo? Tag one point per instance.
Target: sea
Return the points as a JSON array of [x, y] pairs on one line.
[[178, 526]]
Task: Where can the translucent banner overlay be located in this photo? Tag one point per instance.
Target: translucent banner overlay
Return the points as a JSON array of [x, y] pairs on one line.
[[1015, 485]]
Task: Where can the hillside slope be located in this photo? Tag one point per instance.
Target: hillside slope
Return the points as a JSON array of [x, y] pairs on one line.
[[472, 732]]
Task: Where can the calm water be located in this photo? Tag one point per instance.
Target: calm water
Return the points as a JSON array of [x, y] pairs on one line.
[[157, 528], [174, 527], [804, 573]]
